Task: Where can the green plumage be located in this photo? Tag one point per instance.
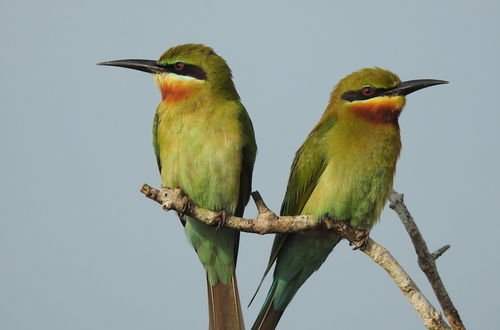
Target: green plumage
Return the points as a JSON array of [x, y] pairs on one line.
[[344, 170], [204, 143], [208, 153]]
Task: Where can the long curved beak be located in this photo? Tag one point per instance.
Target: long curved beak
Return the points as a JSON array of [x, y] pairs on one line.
[[149, 66], [410, 86]]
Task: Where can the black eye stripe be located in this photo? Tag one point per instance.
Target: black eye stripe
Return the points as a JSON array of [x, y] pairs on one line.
[[190, 70], [358, 95]]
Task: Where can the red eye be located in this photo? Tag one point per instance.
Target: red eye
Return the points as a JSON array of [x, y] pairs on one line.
[[179, 66], [368, 91]]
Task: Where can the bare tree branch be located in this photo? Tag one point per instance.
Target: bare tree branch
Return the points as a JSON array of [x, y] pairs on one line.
[[268, 222], [426, 260], [431, 317]]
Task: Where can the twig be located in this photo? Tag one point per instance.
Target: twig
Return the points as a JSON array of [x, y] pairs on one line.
[[268, 222], [427, 260], [439, 252]]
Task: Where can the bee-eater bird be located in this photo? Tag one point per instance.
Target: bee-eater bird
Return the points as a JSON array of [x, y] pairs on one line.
[[344, 170], [204, 144]]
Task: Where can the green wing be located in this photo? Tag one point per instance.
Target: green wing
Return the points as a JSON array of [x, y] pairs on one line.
[[249, 152], [156, 145], [307, 167]]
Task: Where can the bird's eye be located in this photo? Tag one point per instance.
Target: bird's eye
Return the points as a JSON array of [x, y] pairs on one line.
[[368, 91], [179, 66]]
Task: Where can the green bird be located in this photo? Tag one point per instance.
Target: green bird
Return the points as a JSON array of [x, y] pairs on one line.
[[344, 170], [204, 144]]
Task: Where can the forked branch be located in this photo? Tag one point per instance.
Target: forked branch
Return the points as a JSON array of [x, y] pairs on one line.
[[427, 260], [268, 222]]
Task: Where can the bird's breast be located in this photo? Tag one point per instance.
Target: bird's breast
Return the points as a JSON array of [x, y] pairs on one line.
[[359, 174], [200, 152]]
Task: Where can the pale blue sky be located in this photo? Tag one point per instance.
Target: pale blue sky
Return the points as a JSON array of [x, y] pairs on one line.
[[81, 248]]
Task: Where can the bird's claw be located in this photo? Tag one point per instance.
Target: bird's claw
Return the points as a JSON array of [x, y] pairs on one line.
[[221, 218], [361, 240], [185, 206]]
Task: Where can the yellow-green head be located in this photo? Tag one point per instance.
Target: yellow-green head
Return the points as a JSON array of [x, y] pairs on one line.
[[187, 71], [374, 95]]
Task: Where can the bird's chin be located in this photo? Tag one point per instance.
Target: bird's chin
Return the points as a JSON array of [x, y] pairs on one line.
[[174, 89], [379, 110]]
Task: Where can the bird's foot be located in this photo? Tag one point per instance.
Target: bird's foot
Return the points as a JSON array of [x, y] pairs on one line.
[[362, 236], [186, 204], [221, 219]]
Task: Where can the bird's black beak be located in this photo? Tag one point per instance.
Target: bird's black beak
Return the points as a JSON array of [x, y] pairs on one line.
[[141, 65], [407, 87]]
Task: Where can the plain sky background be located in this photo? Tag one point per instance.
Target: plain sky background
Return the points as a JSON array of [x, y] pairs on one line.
[[81, 248]]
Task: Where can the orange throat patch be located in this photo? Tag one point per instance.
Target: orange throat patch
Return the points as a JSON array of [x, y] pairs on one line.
[[174, 89], [379, 110]]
